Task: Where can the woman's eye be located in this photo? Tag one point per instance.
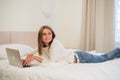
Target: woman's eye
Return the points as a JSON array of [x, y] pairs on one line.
[[49, 33], [44, 33]]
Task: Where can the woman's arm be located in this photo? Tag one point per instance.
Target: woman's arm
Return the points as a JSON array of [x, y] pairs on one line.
[[31, 57], [37, 58]]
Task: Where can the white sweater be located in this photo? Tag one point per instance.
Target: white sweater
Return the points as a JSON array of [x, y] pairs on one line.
[[56, 53]]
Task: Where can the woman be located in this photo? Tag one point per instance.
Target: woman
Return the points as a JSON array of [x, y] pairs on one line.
[[51, 50]]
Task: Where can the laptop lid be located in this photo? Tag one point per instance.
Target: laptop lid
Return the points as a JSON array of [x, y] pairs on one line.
[[14, 57]]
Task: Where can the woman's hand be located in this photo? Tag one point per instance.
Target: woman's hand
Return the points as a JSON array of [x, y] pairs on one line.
[[28, 59]]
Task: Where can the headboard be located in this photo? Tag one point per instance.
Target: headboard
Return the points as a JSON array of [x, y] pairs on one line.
[[29, 38]]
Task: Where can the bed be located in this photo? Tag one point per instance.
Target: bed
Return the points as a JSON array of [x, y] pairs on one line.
[[109, 70]]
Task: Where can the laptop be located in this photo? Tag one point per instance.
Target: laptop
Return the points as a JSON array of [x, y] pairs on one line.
[[14, 57]]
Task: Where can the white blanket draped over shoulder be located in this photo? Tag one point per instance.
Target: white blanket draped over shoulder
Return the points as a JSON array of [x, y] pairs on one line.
[[56, 53]]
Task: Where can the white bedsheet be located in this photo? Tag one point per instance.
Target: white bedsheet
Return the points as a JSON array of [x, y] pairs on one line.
[[109, 70]]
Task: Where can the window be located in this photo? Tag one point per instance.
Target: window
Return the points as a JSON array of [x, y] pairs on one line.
[[117, 23]]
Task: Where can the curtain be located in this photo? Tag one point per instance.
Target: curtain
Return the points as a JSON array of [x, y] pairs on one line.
[[117, 23], [97, 31]]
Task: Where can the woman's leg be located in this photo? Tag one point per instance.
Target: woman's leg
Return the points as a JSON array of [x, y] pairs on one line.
[[112, 54], [85, 57]]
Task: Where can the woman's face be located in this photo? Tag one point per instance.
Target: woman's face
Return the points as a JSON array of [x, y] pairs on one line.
[[46, 36]]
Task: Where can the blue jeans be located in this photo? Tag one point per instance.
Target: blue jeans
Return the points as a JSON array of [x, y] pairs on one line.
[[85, 57]]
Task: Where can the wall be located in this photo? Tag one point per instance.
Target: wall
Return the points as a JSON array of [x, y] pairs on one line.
[[28, 15]]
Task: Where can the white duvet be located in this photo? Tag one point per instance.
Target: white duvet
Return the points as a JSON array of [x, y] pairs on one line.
[[109, 70]]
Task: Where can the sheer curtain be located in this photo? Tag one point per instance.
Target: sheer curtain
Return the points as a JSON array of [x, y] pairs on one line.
[[117, 23], [97, 31]]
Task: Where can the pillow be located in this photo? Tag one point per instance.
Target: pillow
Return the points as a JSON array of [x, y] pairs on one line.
[[23, 49]]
